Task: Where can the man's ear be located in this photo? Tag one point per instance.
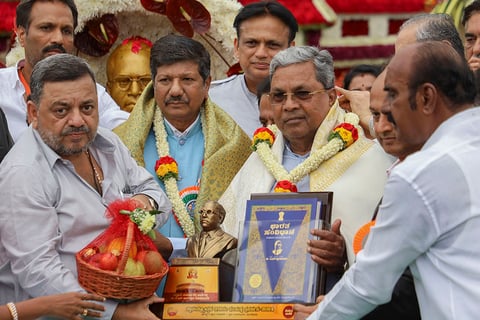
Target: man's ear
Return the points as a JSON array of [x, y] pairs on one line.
[[32, 113], [235, 48], [332, 96], [427, 95], [21, 34], [208, 81]]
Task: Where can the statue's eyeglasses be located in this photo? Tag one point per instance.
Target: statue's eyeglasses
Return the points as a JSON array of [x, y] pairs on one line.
[[125, 82], [208, 212]]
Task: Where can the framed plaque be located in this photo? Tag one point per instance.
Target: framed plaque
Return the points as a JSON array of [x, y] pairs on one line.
[[273, 263]]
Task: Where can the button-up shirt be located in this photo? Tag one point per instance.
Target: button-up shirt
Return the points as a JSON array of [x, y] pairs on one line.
[[428, 220], [49, 213]]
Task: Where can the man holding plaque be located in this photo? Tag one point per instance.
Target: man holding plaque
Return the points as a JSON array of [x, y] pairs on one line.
[[302, 158], [432, 227]]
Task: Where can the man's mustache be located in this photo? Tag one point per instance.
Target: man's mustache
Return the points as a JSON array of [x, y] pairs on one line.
[[54, 47], [176, 99], [70, 130]]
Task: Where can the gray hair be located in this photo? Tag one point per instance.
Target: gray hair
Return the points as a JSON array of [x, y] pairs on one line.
[[322, 61], [57, 68], [436, 27]]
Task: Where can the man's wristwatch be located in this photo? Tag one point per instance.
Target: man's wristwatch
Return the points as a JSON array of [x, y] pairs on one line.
[[153, 203]]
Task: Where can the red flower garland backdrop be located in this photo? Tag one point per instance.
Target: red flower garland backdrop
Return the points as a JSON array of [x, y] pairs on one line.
[[7, 18], [7, 15]]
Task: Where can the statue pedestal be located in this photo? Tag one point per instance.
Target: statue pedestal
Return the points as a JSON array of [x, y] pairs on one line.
[[193, 280]]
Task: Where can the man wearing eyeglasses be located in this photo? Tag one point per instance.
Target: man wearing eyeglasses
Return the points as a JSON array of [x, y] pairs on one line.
[[212, 241], [305, 110], [128, 71]]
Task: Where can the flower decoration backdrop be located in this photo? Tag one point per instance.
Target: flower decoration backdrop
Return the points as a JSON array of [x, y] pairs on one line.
[[134, 19]]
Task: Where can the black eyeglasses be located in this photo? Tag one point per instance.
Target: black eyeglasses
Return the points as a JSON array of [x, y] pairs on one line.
[[279, 98], [125, 82]]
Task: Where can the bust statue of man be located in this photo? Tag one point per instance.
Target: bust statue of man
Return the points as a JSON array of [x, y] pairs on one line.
[[128, 71], [212, 241]]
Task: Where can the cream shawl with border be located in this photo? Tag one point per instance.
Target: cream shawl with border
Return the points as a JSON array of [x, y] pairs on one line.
[[356, 175]]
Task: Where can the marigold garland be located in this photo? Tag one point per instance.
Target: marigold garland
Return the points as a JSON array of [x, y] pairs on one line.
[[166, 167], [167, 171], [262, 134], [342, 136], [285, 186]]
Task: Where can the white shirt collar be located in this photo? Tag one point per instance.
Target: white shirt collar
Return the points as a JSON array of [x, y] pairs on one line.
[[177, 133]]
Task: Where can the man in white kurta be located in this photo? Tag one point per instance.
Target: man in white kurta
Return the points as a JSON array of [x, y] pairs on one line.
[[430, 214], [356, 175]]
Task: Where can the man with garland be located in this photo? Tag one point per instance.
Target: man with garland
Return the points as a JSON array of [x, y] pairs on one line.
[[306, 111], [44, 28], [198, 146], [263, 29]]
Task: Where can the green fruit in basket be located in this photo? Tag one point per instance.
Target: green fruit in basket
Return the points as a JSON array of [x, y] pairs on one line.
[[134, 268], [140, 269]]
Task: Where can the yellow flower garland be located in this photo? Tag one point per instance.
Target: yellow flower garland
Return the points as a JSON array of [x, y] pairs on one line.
[[339, 139], [170, 181]]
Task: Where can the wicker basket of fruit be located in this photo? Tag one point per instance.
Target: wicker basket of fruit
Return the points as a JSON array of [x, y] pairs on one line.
[[121, 265]]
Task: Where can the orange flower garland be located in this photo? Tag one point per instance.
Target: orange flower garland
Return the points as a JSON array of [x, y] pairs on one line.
[[262, 134], [285, 186], [345, 131], [341, 137], [166, 167]]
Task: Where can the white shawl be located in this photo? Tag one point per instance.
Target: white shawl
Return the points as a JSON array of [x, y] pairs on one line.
[[356, 176]]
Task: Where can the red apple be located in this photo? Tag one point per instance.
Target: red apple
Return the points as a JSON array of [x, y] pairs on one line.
[[95, 260], [88, 253], [108, 261], [152, 261]]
